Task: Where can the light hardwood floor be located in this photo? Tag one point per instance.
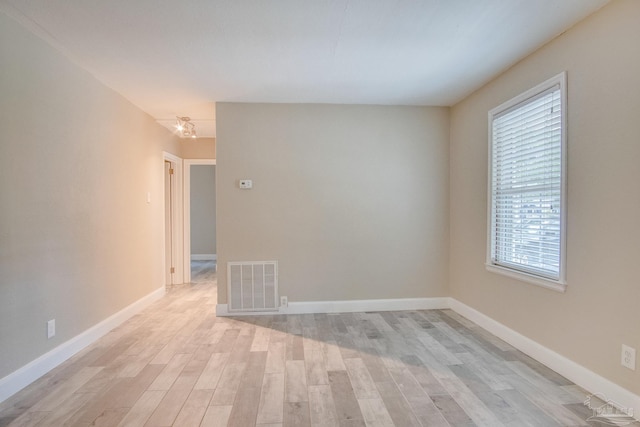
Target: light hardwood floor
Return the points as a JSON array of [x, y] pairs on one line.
[[176, 364]]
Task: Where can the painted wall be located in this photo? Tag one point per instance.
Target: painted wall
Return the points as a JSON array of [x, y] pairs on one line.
[[599, 310], [351, 200], [200, 148], [78, 240], [203, 209]]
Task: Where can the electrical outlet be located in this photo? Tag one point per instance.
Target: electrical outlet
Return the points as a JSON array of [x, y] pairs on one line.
[[51, 328], [284, 302], [629, 357]]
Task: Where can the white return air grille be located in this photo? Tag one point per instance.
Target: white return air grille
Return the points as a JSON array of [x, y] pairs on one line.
[[253, 285]]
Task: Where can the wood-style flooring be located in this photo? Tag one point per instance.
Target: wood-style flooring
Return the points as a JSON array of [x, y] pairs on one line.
[[176, 364]]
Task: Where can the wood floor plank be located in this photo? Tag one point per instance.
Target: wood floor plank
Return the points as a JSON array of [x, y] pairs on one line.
[[420, 403], [27, 419], [546, 402], [68, 411], [375, 413], [316, 367], [363, 385], [66, 389], [172, 403], [165, 355], [295, 347], [123, 393], [451, 411], [538, 367], [539, 382], [439, 351], [229, 383], [276, 356], [108, 418], [423, 376], [375, 366], [242, 346], [472, 405], [296, 414], [494, 400], [485, 372], [194, 408], [348, 348], [296, 382], [216, 416], [245, 407], [333, 357], [585, 413], [528, 414], [119, 348], [398, 407], [577, 392], [170, 373], [136, 362], [142, 410], [321, 406], [346, 404], [270, 409], [261, 340], [212, 372], [254, 372]]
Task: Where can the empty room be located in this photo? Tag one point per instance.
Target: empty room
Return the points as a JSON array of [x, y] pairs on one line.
[[319, 213]]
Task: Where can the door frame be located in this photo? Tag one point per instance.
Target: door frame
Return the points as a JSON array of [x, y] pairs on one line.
[[187, 212], [177, 225]]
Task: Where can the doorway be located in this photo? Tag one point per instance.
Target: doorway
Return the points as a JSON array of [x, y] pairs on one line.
[[199, 219], [173, 221]]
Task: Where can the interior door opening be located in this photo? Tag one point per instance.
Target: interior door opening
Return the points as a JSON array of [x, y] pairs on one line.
[[169, 194], [200, 220], [173, 264]]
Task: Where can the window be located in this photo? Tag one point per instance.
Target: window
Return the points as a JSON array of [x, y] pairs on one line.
[[527, 181]]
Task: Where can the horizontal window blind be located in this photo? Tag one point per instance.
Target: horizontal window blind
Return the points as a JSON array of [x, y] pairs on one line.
[[526, 185]]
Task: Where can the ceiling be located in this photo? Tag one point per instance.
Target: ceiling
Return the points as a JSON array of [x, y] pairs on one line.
[[181, 57]]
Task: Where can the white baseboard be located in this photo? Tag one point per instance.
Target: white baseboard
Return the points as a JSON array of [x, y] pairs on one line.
[[30, 372], [347, 306], [576, 373], [203, 257]]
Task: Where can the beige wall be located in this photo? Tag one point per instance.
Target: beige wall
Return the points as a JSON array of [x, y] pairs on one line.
[[599, 310], [78, 241], [351, 200], [200, 148], [203, 209]]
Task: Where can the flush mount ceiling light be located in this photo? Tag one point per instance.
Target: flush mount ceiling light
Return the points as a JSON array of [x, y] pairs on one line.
[[185, 127]]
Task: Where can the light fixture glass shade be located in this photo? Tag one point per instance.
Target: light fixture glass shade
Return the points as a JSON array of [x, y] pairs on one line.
[[185, 127]]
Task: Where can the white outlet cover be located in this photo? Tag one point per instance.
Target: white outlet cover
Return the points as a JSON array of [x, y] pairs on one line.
[[628, 357], [246, 184], [51, 328]]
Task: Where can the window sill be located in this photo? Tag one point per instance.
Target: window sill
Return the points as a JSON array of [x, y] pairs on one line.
[[558, 286]]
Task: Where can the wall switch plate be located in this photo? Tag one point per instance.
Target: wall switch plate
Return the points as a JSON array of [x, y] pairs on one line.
[[628, 357], [284, 302], [246, 184], [51, 328]]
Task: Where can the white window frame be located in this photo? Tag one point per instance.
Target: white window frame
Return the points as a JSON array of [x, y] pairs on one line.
[[560, 283]]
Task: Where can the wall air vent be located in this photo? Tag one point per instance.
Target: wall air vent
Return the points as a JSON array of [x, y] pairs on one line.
[[252, 286]]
